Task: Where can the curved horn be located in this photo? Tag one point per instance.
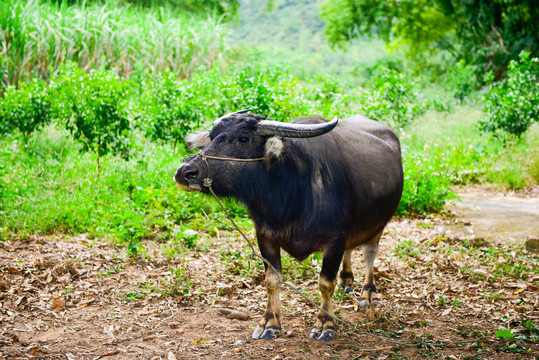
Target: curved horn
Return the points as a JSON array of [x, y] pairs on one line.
[[276, 128]]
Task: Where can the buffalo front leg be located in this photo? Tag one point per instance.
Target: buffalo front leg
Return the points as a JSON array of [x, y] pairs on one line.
[[369, 296], [324, 328], [269, 326]]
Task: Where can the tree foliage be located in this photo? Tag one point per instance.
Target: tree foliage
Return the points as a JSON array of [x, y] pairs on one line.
[[93, 107], [26, 109], [393, 99], [512, 105], [169, 109], [487, 33]]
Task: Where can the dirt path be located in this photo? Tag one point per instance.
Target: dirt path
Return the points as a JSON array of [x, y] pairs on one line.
[[498, 217], [79, 298]]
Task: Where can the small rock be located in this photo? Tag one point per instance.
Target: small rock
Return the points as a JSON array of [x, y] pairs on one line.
[[532, 244], [4, 285], [289, 334], [84, 343]]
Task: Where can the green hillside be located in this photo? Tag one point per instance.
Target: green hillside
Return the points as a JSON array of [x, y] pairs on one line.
[[292, 33]]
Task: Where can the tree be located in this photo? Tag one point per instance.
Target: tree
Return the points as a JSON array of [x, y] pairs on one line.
[[487, 33], [26, 109], [94, 108], [512, 105]]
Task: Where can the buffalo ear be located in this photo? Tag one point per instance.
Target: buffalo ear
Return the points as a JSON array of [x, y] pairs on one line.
[[274, 149], [198, 139]]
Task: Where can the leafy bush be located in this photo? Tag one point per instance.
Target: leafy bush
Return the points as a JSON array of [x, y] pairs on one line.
[[392, 100], [94, 109], [169, 109], [426, 184], [461, 80], [272, 93], [26, 109], [512, 105]]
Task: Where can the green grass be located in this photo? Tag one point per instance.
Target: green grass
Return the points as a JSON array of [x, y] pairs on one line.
[[53, 188], [465, 155], [39, 36]]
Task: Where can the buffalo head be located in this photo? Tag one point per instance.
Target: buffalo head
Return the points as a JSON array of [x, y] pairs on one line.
[[238, 143]]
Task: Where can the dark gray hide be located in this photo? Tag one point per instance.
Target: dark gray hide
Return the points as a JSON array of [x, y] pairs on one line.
[[332, 191]]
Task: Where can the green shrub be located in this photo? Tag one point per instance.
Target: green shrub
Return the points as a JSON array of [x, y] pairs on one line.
[[93, 107], [512, 104], [392, 100], [273, 93], [26, 109], [427, 186], [461, 80], [169, 109]]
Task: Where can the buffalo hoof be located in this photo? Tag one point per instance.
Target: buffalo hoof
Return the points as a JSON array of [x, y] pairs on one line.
[[326, 335], [364, 303], [270, 334], [266, 334], [369, 297]]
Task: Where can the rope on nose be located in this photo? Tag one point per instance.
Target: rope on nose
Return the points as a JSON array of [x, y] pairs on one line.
[[207, 182]]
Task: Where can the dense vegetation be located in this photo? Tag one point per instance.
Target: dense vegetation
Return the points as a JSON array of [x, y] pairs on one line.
[[37, 37], [97, 98], [486, 34]]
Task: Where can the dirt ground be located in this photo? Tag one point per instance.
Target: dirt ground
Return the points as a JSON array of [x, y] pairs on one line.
[[498, 216], [76, 298]]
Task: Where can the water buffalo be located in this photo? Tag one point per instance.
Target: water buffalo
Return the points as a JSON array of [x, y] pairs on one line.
[[309, 185]]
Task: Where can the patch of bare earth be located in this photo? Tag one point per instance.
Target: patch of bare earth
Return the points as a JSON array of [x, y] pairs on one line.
[[75, 298], [501, 217]]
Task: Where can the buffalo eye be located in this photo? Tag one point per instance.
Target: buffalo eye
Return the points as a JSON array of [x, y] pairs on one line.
[[243, 140]]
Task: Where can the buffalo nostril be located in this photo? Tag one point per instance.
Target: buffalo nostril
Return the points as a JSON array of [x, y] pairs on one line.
[[190, 174], [187, 171]]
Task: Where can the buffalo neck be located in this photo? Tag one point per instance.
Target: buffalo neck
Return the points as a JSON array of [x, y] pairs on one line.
[[296, 189]]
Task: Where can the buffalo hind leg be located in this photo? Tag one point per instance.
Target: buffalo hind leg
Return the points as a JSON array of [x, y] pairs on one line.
[[270, 326], [369, 296], [324, 328], [347, 275]]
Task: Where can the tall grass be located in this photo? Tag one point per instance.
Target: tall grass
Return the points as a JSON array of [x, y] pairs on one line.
[[36, 37]]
